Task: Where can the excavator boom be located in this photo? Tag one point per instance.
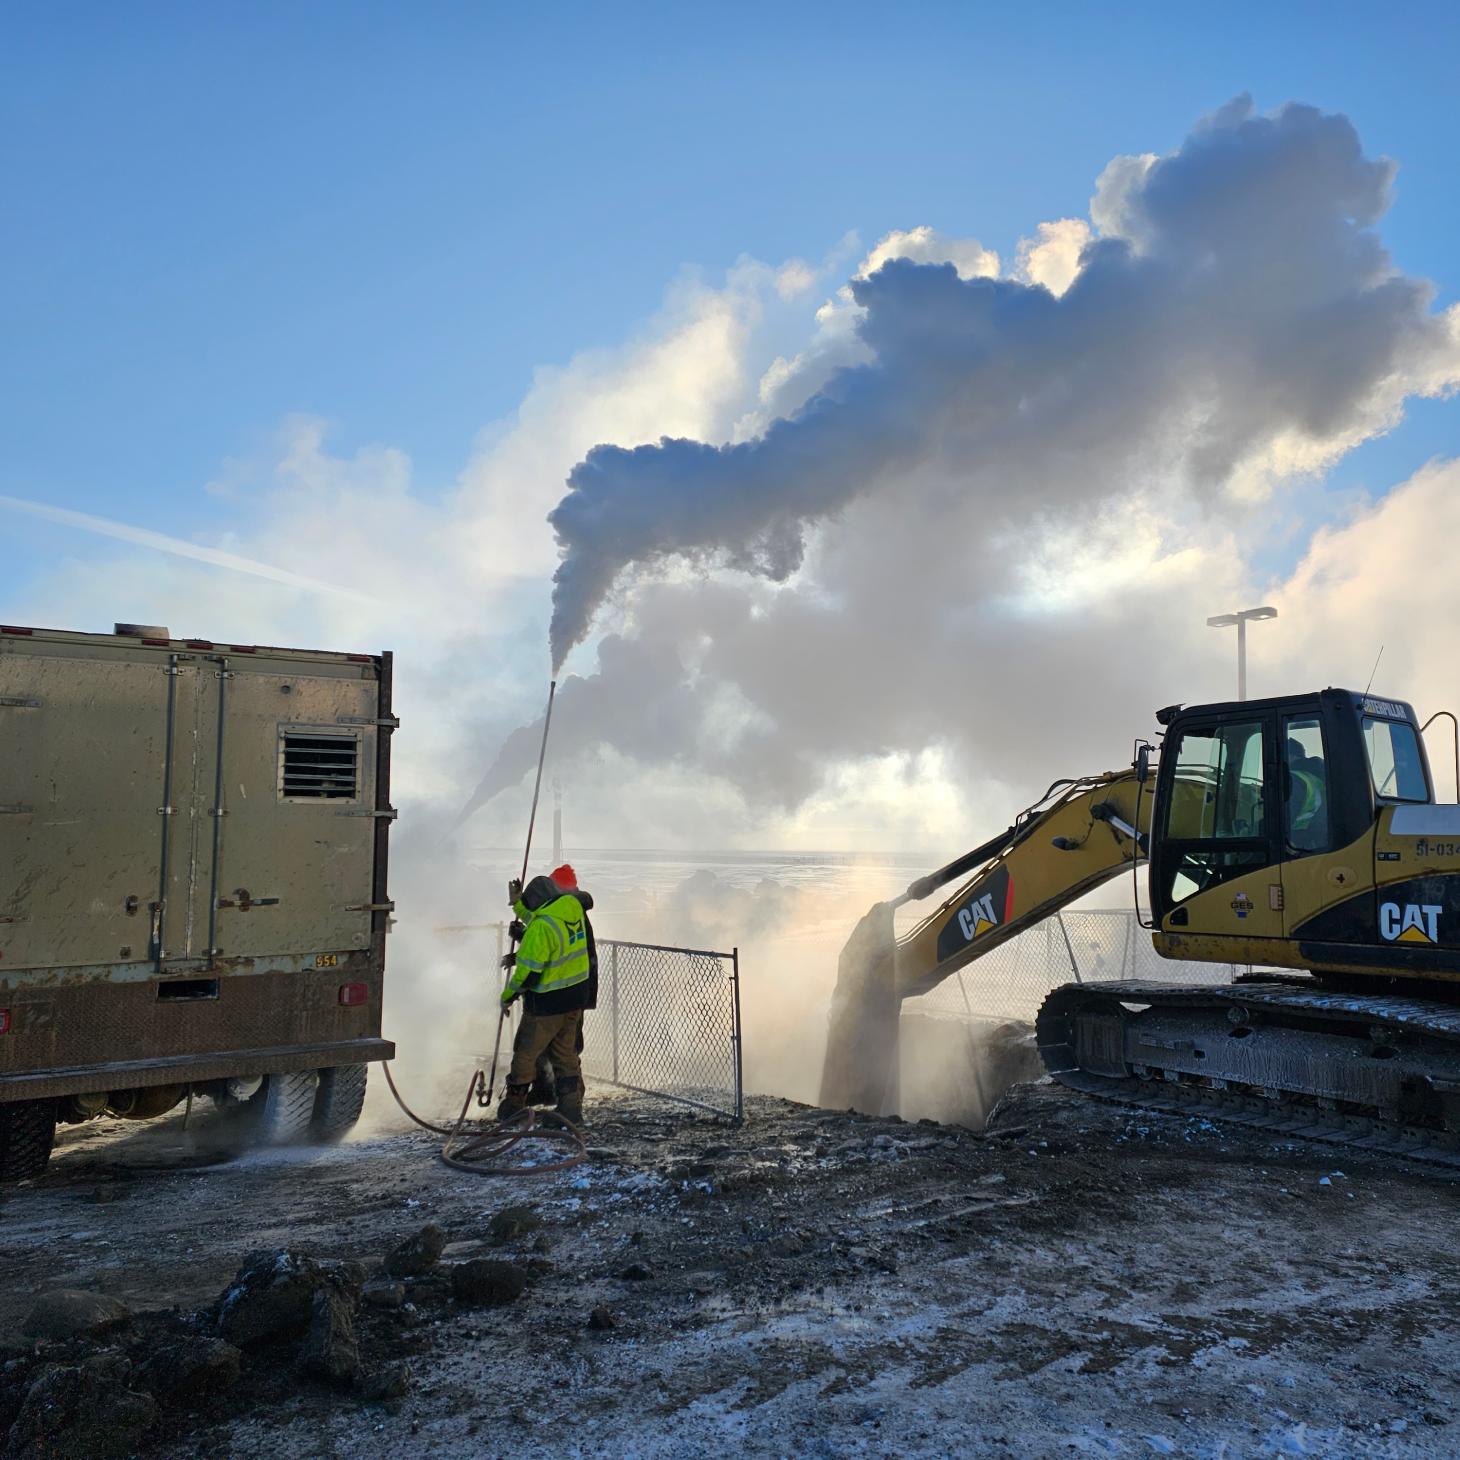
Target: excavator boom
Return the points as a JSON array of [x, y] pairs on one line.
[[1077, 837]]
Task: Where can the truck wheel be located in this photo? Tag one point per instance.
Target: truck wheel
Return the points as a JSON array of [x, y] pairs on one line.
[[338, 1102], [284, 1107], [27, 1132]]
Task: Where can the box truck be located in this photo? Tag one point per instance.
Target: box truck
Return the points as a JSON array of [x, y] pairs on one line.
[[193, 898]]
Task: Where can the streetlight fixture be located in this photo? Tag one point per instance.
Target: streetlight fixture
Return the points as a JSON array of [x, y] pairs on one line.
[[1225, 621]]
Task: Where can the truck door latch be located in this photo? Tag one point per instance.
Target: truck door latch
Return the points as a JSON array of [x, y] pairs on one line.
[[243, 901]]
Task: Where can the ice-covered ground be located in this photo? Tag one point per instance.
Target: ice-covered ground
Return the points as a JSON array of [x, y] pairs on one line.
[[1086, 1280]]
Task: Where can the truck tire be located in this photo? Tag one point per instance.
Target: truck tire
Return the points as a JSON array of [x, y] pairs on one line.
[[27, 1132], [338, 1102], [283, 1109]]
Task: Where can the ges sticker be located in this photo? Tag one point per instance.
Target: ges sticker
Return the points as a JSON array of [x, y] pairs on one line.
[[1414, 922]]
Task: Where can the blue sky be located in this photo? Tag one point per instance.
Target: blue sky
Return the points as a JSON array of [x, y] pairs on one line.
[[389, 216]]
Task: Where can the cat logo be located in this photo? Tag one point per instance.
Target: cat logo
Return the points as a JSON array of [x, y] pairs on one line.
[[978, 917], [1412, 923]]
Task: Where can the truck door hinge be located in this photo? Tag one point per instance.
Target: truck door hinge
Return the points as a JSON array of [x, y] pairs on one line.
[[386, 722], [370, 907], [8, 919], [15, 702], [389, 814], [19, 809]]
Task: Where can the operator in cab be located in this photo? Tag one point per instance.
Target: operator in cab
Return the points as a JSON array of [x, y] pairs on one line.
[[552, 972]]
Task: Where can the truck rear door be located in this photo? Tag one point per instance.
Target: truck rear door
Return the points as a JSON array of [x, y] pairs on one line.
[[293, 775], [80, 792]]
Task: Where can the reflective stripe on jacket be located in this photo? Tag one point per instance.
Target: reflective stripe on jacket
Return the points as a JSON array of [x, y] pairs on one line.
[[553, 954]]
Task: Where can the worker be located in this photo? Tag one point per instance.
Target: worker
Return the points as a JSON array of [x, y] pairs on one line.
[[550, 972], [1307, 808], [544, 1083]]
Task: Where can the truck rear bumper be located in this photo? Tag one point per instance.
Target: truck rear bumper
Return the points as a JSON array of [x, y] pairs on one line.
[[191, 1069]]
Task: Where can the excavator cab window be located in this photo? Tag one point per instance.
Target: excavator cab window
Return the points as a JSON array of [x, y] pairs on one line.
[[1305, 786], [1216, 812], [1395, 761]]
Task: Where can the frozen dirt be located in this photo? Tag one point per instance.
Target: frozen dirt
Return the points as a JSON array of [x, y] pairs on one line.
[[1083, 1280]]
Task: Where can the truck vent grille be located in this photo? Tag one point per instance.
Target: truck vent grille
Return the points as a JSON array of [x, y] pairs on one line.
[[324, 766]]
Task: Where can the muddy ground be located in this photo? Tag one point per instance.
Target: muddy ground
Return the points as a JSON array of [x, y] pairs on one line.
[[1085, 1280]]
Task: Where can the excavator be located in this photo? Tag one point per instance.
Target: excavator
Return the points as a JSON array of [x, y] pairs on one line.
[[1298, 837]]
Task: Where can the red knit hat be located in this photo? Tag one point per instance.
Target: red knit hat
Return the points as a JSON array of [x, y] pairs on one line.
[[565, 877]]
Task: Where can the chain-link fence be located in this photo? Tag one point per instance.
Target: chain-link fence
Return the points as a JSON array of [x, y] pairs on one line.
[[1073, 947], [668, 1023]]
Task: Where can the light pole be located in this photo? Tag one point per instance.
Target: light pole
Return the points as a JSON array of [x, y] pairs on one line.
[[1225, 621]]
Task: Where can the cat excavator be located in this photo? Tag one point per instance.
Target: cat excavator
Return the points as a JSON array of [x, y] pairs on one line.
[[1298, 837]]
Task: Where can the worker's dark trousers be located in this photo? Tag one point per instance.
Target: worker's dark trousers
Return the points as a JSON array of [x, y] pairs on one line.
[[557, 1034]]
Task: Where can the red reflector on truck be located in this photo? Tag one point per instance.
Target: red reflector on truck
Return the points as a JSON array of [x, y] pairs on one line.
[[4, 1021], [352, 994]]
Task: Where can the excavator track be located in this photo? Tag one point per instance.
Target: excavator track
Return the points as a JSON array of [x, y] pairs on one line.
[[1281, 1053]]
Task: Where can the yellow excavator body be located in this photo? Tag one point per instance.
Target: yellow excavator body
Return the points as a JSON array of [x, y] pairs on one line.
[[1298, 835]]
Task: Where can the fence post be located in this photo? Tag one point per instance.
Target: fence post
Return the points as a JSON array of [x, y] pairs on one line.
[[1074, 966], [735, 1036], [613, 1006]]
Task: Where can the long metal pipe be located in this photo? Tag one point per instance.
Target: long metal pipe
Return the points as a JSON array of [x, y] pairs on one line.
[[537, 785]]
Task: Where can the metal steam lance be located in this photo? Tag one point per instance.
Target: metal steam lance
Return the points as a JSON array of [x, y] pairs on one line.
[[514, 890]]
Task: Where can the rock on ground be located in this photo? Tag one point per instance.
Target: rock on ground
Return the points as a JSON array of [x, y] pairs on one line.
[[330, 1350], [485, 1280], [190, 1368], [71, 1413], [70, 1313], [272, 1295], [511, 1223], [418, 1254]]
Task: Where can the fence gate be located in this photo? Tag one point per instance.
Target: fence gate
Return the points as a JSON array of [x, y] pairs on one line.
[[668, 1023]]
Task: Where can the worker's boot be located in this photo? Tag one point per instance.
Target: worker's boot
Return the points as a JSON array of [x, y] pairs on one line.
[[514, 1102], [570, 1098], [544, 1088]]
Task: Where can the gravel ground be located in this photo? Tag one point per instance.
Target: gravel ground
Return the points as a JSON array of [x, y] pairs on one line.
[[1084, 1279]]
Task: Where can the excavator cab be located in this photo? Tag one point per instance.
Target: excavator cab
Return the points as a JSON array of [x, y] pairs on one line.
[[1274, 833]]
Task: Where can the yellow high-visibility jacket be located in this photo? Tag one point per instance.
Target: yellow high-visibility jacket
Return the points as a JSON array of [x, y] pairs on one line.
[[553, 954]]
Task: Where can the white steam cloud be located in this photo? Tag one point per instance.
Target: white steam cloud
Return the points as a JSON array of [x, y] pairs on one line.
[[1237, 308]]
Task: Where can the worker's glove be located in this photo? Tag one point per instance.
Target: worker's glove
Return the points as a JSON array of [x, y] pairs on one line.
[[509, 961], [514, 890], [508, 998], [516, 929]]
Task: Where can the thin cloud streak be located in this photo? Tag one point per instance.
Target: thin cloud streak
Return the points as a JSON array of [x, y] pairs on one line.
[[178, 547]]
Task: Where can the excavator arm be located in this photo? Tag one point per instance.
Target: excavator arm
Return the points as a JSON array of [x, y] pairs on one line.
[[1079, 835]]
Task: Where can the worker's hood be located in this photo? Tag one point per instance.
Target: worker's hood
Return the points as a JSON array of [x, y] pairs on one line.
[[539, 892], [568, 906], [585, 899]]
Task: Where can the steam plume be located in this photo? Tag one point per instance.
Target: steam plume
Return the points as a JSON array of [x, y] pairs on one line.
[[1237, 311]]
